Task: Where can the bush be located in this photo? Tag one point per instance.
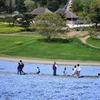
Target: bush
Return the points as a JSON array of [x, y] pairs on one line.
[[18, 43]]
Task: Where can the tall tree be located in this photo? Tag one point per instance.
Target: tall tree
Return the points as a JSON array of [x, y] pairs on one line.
[[29, 5], [2, 5], [10, 5], [53, 5], [77, 6], [95, 11], [86, 4], [21, 6], [43, 2]]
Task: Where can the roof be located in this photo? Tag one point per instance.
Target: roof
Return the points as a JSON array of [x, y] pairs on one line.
[[60, 11], [68, 14], [40, 10]]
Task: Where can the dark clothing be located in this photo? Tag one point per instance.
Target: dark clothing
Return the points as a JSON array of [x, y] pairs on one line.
[[54, 69], [19, 68]]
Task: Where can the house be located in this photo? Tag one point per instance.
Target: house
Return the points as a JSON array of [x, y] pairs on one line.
[[71, 18], [40, 10]]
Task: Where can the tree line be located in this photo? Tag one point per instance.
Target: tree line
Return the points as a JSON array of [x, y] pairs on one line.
[[29, 5], [82, 8], [89, 9]]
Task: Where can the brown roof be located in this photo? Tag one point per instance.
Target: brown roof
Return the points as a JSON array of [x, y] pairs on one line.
[[40, 10], [68, 14]]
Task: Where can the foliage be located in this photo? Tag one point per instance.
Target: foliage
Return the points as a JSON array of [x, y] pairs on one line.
[[21, 6], [49, 24], [29, 5], [18, 16], [77, 6], [53, 5], [95, 11], [18, 43], [85, 6], [10, 5], [9, 19], [2, 5], [26, 20]]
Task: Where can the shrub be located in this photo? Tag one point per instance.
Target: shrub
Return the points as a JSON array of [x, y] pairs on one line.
[[18, 43]]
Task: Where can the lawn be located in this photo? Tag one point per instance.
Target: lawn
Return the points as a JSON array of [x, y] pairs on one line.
[[6, 28], [36, 47], [95, 42]]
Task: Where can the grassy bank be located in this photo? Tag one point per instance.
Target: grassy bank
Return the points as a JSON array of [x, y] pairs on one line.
[[36, 47], [93, 41]]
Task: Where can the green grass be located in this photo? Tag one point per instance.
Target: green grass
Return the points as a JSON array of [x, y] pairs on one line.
[[36, 47], [6, 28], [93, 41], [7, 42]]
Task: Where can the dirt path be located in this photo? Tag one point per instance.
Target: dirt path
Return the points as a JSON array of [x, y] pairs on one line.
[[84, 41], [83, 36], [49, 61]]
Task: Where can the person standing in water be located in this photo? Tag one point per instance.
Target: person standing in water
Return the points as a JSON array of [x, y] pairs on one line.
[[75, 72], [78, 70], [54, 68], [20, 67], [38, 70], [65, 71]]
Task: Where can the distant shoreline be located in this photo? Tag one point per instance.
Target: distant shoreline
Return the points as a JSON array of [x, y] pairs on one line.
[[50, 61]]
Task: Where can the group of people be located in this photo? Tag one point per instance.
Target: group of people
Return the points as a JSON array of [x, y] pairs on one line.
[[76, 69], [20, 68], [55, 69]]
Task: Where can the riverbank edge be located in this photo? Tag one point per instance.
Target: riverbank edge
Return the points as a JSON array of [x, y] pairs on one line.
[[50, 61]]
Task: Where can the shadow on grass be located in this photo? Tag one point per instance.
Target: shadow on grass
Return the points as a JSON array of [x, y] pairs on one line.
[[57, 40]]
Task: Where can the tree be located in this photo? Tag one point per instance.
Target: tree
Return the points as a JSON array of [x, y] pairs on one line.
[[86, 4], [29, 5], [95, 11], [9, 19], [26, 20], [49, 24], [53, 5], [20, 6], [10, 5], [77, 6], [2, 5], [43, 3]]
